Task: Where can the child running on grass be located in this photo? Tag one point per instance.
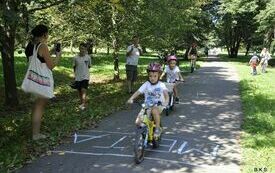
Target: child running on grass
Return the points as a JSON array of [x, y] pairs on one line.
[[173, 74], [253, 63], [156, 94], [81, 65]]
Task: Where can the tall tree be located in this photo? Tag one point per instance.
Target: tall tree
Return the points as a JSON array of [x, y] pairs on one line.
[[13, 13]]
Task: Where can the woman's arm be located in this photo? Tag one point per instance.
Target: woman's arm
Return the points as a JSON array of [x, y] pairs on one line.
[[44, 52], [166, 97]]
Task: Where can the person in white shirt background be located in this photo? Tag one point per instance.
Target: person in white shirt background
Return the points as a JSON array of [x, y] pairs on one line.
[[133, 53]]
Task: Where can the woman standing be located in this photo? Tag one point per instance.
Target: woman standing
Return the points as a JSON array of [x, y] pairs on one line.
[[39, 46]]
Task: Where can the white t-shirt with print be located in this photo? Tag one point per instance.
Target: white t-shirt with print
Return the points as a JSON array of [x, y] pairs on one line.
[[172, 75], [153, 93], [82, 65], [132, 59]]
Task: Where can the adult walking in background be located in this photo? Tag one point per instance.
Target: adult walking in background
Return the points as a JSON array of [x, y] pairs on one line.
[[132, 56], [265, 56], [39, 82]]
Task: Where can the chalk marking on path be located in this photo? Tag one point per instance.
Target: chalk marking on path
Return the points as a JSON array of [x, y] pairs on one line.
[[171, 147], [107, 147], [125, 155], [202, 152], [155, 150], [182, 147], [91, 138], [121, 139], [214, 153], [112, 132]]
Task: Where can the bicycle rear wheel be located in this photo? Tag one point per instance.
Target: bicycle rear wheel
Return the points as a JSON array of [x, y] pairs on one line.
[[139, 146]]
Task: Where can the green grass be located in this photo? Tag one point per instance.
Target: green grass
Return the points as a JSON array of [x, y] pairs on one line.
[[61, 117], [258, 101]]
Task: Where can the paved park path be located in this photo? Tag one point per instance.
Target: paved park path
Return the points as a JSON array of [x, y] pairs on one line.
[[201, 135]]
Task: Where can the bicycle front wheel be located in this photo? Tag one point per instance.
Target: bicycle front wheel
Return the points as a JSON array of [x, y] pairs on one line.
[[139, 147]]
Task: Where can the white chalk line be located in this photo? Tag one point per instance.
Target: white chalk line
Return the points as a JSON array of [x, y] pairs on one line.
[[133, 133], [91, 138], [125, 155], [182, 147], [121, 139]]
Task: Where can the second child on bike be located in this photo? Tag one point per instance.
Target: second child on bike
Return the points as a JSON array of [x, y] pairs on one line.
[[173, 74], [192, 55], [156, 94]]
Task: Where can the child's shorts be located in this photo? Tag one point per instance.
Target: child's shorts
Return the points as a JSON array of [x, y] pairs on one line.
[[82, 84], [140, 114]]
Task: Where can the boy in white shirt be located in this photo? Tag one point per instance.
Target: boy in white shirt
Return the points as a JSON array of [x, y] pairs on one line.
[[81, 65], [155, 92], [173, 74]]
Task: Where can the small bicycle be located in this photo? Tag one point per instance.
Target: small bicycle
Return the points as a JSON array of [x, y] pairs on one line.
[[145, 134], [171, 103]]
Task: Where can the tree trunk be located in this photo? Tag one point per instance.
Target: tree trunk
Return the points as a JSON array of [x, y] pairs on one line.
[[114, 36], [116, 63], [7, 52], [247, 49], [108, 50], [186, 53]]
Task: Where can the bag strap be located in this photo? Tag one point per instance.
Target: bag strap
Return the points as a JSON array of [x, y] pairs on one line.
[[35, 48]]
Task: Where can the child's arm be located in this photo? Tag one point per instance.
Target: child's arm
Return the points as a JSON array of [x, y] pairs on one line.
[[129, 50], [160, 78], [166, 98], [181, 78], [133, 97]]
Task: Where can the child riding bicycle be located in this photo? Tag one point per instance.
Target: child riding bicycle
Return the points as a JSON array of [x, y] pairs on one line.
[[173, 74], [156, 95], [192, 55]]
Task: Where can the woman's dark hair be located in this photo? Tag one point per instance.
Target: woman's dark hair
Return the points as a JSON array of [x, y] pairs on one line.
[[39, 30]]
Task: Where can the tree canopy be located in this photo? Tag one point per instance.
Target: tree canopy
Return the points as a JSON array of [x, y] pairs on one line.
[[160, 24]]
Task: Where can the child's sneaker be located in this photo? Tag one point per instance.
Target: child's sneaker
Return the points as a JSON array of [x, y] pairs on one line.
[[157, 132], [38, 136], [177, 100]]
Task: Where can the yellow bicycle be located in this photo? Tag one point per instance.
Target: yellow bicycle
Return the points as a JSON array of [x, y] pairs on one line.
[[145, 134]]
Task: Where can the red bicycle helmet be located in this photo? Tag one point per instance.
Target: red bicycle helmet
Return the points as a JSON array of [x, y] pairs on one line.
[[171, 57], [154, 67]]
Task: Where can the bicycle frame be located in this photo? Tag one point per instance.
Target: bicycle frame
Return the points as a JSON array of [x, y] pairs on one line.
[[149, 123]]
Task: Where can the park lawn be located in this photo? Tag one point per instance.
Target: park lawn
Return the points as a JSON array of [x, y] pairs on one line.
[[62, 116], [258, 102]]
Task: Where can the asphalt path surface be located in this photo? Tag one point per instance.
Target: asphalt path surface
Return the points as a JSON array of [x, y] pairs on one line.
[[201, 135]]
